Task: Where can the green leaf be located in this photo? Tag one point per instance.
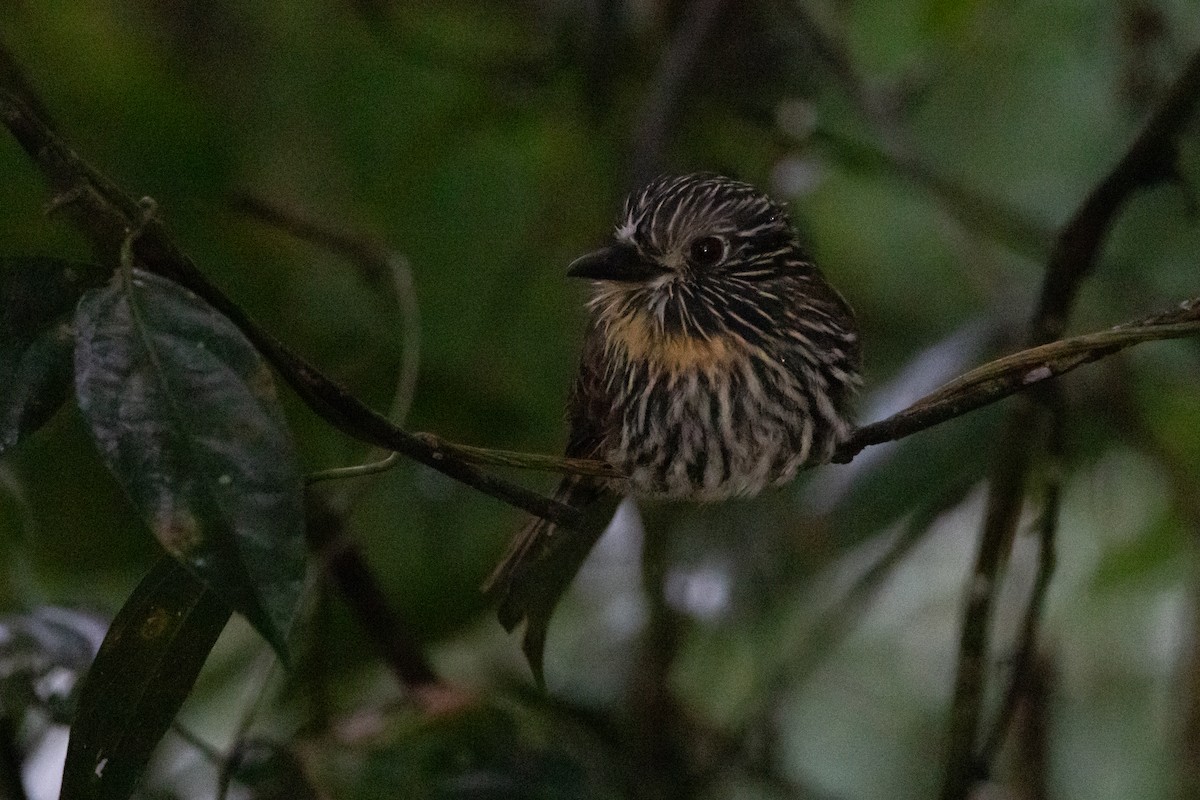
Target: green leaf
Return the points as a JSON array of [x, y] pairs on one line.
[[184, 413], [37, 296], [144, 670]]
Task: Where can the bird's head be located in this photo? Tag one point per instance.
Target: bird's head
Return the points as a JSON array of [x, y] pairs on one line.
[[699, 256]]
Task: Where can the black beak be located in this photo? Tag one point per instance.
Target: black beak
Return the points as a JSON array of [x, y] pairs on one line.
[[615, 263]]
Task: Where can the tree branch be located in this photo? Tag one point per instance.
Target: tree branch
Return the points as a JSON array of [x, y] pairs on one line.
[[104, 214], [1149, 160], [1019, 371]]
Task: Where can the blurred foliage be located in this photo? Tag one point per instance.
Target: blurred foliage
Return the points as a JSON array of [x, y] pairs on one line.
[[489, 143]]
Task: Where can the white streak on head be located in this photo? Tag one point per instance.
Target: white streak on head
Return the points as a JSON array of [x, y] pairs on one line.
[[625, 232]]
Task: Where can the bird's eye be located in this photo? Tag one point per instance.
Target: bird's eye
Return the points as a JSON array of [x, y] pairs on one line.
[[707, 251]]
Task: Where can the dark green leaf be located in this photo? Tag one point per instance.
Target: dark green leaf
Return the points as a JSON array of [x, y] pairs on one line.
[[42, 653], [35, 380], [37, 296], [143, 672], [184, 412]]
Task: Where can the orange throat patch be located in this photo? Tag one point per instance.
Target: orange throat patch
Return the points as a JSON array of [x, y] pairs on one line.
[[638, 338]]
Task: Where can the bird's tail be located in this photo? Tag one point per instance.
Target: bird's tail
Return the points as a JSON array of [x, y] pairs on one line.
[[540, 564]]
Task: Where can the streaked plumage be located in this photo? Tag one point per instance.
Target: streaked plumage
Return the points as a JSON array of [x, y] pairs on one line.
[[717, 362]]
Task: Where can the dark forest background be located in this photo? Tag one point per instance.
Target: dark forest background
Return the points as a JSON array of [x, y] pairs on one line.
[[805, 644]]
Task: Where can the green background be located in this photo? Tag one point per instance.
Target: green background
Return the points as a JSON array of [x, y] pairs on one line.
[[491, 142]]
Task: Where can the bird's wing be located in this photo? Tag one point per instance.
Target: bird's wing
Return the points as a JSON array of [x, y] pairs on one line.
[[589, 408], [544, 558]]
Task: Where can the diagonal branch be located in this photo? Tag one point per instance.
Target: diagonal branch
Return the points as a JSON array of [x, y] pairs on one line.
[[104, 214], [1019, 371]]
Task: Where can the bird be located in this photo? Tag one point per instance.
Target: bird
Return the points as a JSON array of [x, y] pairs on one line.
[[717, 362]]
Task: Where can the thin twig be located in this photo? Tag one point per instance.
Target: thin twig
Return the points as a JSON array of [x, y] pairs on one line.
[[893, 149], [377, 265], [802, 659], [340, 555], [375, 262], [410, 346], [985, 216], [370, 256], [795, 661], [198, 743], [507, 458], [355, 471], [829, 49]]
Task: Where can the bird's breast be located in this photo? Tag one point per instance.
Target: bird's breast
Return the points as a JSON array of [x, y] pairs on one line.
[[705, 429]]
